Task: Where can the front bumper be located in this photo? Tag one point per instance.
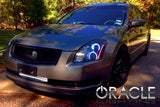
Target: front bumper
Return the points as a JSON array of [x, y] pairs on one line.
[[46, 88], [65, 75]]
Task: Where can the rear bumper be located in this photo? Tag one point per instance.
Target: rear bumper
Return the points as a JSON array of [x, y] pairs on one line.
[[46, 88]]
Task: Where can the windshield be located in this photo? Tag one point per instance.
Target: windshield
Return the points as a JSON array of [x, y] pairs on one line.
[[108, 15]]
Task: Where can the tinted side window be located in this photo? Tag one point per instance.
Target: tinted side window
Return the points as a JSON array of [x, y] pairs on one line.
[[132, 14], [139, 15]]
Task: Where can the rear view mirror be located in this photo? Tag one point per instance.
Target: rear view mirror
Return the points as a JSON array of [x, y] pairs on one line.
[[137, 23]]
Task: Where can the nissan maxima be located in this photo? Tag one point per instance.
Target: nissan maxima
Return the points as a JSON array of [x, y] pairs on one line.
[[88, 47]]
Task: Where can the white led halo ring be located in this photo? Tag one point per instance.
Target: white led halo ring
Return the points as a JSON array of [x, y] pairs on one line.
[[96, 44]]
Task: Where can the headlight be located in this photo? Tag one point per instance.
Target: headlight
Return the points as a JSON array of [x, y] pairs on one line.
[[10, 42], [91, 51]]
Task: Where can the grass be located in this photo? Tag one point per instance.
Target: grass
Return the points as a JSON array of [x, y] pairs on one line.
[[5, 36]]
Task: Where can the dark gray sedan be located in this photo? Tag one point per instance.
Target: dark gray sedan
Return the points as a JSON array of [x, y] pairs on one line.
[[90, 46]]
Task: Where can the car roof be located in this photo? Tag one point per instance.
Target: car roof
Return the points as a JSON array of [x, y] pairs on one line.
[[109, 4]]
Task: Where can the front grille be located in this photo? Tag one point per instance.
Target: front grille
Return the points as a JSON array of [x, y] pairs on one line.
[[36, 55]]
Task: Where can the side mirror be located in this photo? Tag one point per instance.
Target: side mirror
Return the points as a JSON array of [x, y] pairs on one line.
[[137, 23]]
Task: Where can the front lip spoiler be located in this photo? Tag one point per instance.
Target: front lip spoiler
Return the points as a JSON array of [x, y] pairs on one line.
[[45, 88]]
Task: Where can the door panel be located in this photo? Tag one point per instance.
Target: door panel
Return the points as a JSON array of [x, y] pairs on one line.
[[137, 36]]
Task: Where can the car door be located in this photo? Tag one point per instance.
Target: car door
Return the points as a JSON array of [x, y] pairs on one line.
[[142, 32], [134, 33]]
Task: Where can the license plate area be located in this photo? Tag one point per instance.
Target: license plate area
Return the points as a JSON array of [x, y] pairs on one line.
[[29, 70]]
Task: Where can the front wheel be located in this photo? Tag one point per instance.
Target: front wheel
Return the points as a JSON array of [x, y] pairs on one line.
[[120, 69]]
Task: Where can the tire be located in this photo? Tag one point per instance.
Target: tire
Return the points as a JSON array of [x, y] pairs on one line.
[[145, 52], [121, 68]]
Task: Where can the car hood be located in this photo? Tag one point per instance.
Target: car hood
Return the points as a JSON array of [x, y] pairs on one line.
[[66, 36]]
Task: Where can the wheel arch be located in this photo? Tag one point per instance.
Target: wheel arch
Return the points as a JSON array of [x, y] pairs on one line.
[[121, 48], [118, 48], [124, 48]]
